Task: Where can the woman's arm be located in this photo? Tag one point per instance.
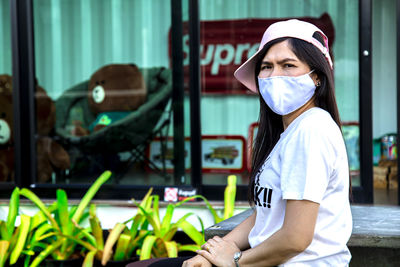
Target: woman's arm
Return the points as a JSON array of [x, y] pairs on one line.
[[293, 238], [240, 234]]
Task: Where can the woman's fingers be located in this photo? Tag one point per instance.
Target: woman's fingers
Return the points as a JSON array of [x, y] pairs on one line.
[[217, 239], [197, 261]]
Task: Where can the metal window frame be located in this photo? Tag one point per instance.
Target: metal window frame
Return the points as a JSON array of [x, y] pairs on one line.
[[398, 89], [23, 67], [364, 193]]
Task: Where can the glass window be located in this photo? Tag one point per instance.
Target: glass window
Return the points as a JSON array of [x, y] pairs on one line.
[[106, 67], [230, 33], [384, 104], [6, 107]]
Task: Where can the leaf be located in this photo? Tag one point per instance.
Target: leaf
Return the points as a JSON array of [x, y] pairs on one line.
[[13, 208], [85, 233], [40, 232], [95, 225], [122, 247], [192, 232], [192, 248], [3, 230], [166, 223], [84, 244], [137, 222], [147, 246], [112, 238], [229, 197], [32, 197], [50, 248], [156, 214], [172, 249], [217, 219], [4, 244], [138, 241], [37, 220], [90, 194], [62, 209], [63, 216], [150, 219], [89, 259], [23, 233]]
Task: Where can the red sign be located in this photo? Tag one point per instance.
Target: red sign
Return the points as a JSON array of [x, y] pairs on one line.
[[226, 44]]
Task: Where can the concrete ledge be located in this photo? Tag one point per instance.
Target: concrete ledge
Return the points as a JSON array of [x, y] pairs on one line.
[[373, 226]]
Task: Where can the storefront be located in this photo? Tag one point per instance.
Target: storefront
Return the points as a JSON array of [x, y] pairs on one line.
[[191, 124]]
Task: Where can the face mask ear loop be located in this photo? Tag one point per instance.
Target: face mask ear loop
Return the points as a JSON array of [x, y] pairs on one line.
[[318, 84]]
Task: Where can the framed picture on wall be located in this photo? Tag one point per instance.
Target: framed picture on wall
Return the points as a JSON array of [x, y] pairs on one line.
[[158, 156], [253, 129], [223, 153]]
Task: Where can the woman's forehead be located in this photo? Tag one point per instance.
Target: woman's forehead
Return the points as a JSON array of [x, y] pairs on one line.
[[280, 51]]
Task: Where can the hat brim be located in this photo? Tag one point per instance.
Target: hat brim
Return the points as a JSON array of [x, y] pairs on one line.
[[246, 72]]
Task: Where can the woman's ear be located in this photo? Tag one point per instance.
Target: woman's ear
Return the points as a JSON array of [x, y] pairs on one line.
[[316, 79]]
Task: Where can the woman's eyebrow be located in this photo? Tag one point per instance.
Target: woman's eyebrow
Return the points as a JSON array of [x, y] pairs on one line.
[[285, 60]]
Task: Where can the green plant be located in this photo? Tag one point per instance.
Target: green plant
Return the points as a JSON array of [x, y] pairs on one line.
[[59, 235], [159, 243], [13, 239], [229, 201], [127, 239]]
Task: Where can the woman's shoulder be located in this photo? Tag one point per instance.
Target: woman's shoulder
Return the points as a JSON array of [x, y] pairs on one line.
[[317, 119], [317, 122]]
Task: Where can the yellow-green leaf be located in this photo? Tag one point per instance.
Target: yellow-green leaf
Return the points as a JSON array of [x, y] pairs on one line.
[[145, 252], [4, 244], [122, 247], [90, 194], [62, 208], [41, 231], [229, 197], [192, 248], [172, 249], [23, 233], [112, 238], [150, 219], [192, 232], [3, 230], [95, 225], [89, 258], [47, 252], [37, 220], [166, 223], [13, 208], [32, 197]]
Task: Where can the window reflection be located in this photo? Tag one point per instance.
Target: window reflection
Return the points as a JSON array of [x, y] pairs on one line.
[[6, 108], [105, 65], [230, 32]]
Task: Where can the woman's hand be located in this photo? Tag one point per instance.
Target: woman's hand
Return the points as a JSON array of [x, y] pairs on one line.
[[196, 261], [219, 252]]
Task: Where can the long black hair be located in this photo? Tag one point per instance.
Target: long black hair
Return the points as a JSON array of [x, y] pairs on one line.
[[270, 124]]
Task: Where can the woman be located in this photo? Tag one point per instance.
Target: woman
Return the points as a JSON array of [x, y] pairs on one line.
[[300, 178]]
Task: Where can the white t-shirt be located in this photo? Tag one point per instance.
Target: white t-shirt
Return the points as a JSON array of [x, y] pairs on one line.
[[308, 162]]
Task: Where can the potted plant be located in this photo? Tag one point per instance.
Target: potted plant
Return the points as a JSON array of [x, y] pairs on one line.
[[61, 234], [13, 239], [124, 239], [159, 242]]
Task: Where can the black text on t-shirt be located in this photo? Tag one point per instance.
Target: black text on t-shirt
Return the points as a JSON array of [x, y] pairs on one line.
[[262, 196]]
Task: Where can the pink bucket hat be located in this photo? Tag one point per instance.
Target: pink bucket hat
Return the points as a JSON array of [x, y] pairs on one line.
[[290, 28]]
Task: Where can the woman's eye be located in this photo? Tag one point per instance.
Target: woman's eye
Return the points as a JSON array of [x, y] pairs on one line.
[[288, 65], [266, 67]]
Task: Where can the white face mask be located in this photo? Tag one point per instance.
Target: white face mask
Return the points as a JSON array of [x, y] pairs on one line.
[[285, 94]]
